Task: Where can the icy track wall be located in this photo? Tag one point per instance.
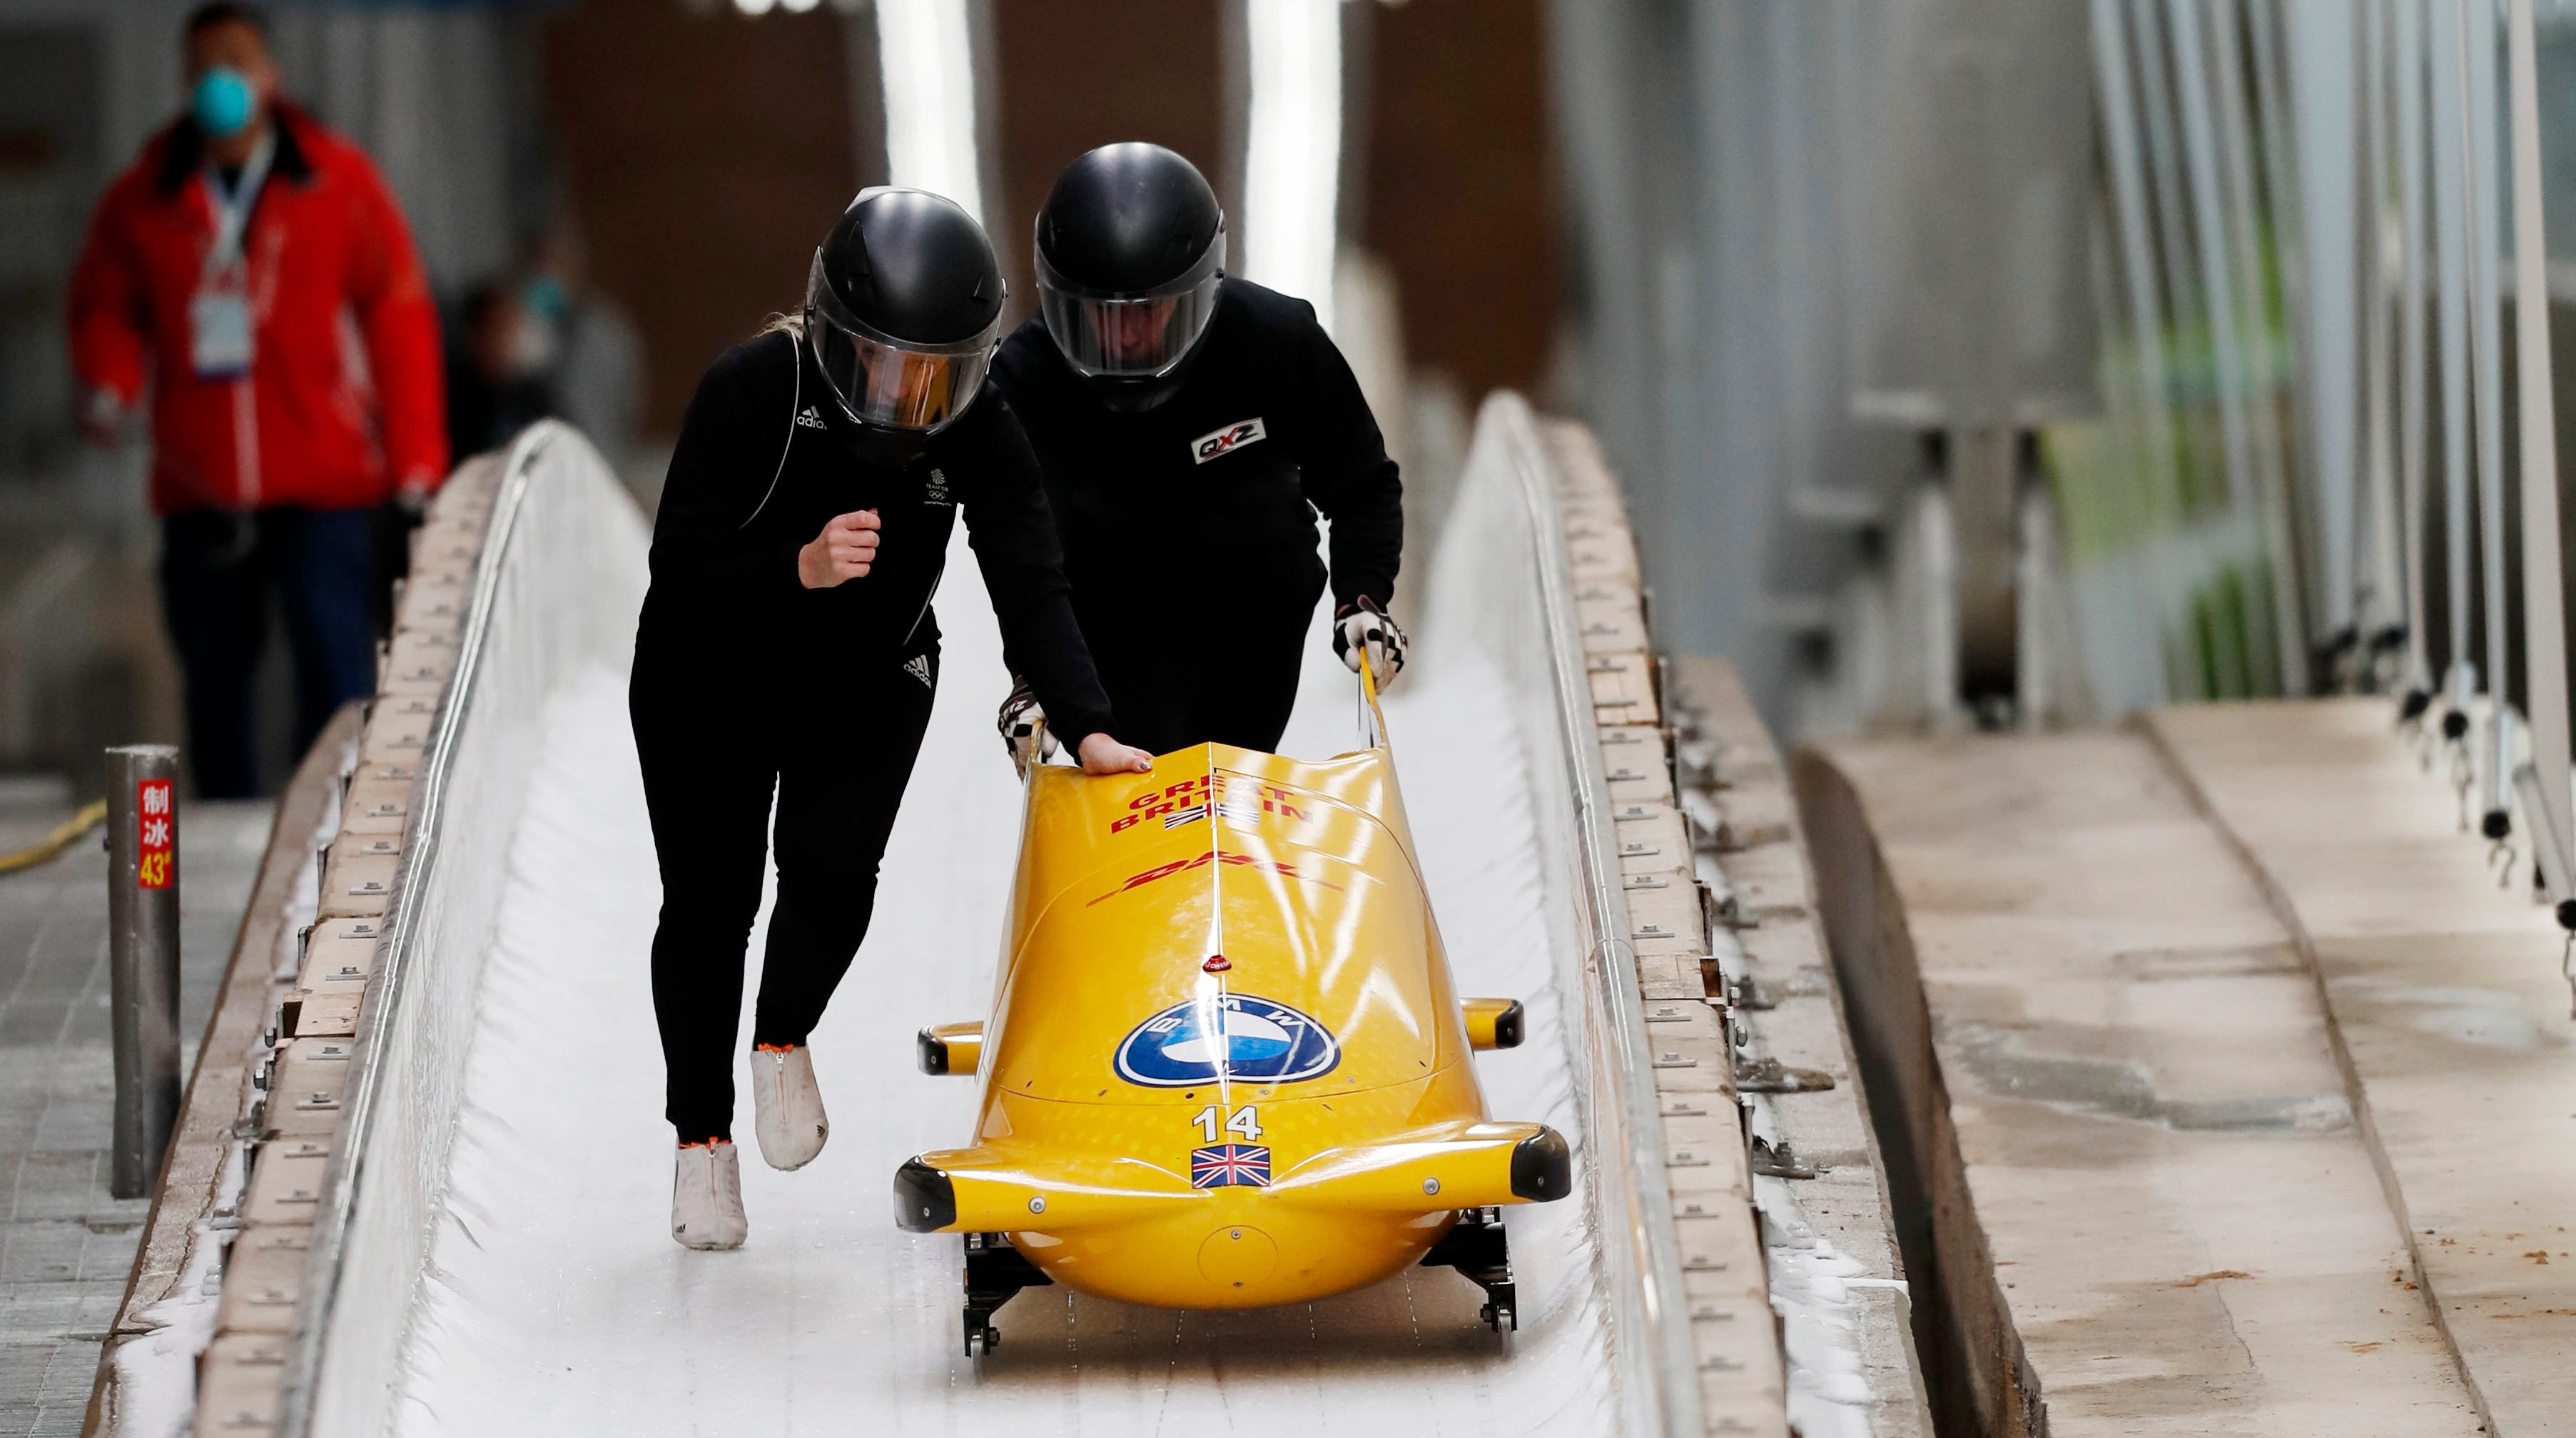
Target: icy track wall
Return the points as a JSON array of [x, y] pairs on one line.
[[553, 590], [1502, 587], [546, 605]]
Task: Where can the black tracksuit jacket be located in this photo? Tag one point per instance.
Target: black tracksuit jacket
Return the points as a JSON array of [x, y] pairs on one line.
[[733, 517], [1189, 529], [747, 685]]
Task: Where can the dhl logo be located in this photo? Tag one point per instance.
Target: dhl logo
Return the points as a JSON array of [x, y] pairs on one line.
[[1245, 861]]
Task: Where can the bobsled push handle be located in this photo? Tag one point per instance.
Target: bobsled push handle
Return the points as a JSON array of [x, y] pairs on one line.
[[1372, 717]]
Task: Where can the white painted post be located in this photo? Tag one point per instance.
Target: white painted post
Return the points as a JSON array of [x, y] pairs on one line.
[[2544, 615], [2416, 343], [2486, 369]]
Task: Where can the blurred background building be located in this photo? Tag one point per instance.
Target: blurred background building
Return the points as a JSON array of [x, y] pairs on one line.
[[608, 193], [1968, 361]]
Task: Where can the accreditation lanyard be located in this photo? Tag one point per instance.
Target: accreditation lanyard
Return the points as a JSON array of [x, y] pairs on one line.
[[219, 318]]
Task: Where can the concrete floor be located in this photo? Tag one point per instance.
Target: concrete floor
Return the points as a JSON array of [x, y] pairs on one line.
[[2159, 1214], [65, 1245], [2447, 999]]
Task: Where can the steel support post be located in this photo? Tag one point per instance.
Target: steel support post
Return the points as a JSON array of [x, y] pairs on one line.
[[143, 956]]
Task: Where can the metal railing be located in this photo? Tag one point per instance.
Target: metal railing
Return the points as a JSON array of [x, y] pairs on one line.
[[2352, 160], [2456, 131]]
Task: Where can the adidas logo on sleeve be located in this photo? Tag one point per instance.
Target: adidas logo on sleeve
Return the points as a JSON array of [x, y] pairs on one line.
[[810, 419]]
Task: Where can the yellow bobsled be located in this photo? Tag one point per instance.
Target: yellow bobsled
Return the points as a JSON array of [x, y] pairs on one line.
[[1225, 1065]]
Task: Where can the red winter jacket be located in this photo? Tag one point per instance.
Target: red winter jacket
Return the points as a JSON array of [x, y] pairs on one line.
[[344, 400]]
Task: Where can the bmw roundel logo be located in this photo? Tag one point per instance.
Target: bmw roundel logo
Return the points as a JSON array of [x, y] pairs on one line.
[[1257, 1040]]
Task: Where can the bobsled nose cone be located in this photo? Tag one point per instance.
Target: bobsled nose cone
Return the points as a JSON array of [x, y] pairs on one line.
[[1237, 1256]]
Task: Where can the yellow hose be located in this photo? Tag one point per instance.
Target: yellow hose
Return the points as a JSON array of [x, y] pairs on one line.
[[65, 834]]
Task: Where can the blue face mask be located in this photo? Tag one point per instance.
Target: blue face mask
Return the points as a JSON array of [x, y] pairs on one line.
[[544, 295], [223, 103]]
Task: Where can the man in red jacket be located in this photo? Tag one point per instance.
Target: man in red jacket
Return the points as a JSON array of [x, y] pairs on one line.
[[251, 272]]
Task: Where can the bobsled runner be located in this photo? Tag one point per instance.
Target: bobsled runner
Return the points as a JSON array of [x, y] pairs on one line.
[[1225, 1066]]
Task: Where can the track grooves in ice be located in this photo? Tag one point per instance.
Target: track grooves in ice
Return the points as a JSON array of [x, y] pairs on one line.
[[558, 1304]]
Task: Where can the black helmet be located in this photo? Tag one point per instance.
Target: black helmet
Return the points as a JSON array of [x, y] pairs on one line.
[[1130, 253], [903, 307]]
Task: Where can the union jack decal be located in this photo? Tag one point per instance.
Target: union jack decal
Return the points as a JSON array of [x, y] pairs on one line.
[[1230, 1165]]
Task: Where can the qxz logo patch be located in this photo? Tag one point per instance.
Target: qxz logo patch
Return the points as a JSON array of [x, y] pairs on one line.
[[1220, 443], [1258, 1041]]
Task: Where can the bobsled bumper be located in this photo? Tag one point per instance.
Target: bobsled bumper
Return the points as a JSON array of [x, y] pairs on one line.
[[1472, 1165], [1461, 1165], [1128, 1230]]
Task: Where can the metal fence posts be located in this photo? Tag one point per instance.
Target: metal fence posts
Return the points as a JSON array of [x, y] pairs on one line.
[[143, 956]]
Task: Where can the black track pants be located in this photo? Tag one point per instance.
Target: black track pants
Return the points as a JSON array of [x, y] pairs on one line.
[[217, 573], [715, 739], [1233, 681]]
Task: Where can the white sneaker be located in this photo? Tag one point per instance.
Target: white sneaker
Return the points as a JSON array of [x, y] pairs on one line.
[[788, 1106], [706, 1197]]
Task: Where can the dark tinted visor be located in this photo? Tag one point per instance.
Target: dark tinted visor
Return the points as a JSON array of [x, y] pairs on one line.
[[1131, 336]]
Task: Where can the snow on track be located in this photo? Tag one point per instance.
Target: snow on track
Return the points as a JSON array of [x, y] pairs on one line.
[[558, 1304]]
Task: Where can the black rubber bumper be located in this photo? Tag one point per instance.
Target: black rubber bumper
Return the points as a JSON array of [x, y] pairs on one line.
[[1542, 1167], [926, 1202], [1510, 1025], [934, 1055]]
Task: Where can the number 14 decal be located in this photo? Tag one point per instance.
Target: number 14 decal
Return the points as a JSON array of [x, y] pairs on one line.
[[1214, 1122]]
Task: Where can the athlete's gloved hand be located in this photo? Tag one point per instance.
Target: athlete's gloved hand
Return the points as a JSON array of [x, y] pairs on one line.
[[1023, 725], [844, 550], [1362, 623]]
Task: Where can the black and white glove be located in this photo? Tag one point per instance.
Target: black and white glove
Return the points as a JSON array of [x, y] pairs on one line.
[[1360, 624], [1023, 726]]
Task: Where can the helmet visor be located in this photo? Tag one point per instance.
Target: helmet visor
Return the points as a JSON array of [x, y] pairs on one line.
[[1131, 336], [886, 382]]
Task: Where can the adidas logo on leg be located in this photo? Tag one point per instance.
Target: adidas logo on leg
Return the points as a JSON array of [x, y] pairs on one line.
[[811, 418], [918, 666]]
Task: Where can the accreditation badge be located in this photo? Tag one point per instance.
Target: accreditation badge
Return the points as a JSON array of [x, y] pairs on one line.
[[219, 333]]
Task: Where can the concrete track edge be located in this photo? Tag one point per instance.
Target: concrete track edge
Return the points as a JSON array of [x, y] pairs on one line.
[[1837, 1276], [1625, 1122], [1975, 1373], [557, 525]]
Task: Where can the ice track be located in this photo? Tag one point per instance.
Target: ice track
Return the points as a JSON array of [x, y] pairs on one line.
[[557, 1303]]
